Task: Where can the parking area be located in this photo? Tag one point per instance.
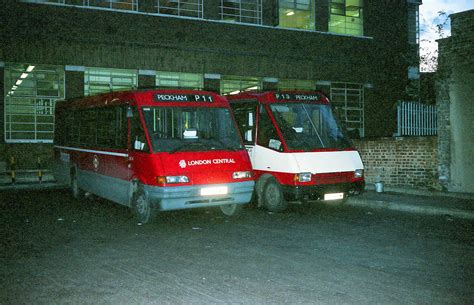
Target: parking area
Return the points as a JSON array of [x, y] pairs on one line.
[[59, 250]]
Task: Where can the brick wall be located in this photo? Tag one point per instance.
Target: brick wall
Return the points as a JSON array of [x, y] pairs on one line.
[[454, 91], [400, 162]]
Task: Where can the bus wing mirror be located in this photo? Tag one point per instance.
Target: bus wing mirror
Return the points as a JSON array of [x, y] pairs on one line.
[[129, 112]]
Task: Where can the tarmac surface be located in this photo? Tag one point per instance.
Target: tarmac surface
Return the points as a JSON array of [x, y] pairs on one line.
[[459, 205]]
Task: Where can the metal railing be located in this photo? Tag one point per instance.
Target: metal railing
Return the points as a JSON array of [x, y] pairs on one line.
[[416, 119]]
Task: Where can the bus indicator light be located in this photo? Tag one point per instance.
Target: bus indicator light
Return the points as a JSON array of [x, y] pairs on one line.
[[161, 180], [242, 175]]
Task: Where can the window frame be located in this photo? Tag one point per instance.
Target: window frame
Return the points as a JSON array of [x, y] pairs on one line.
[[180, 79], [178, 10], [344, 16], [238, 8], [30, 110], [346, 107], [92, 87]]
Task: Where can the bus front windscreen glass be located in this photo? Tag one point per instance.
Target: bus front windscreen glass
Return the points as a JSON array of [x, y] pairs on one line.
[[173, 129], [309, 127]]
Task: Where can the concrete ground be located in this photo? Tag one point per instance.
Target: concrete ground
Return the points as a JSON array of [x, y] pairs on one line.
[[57, 250]]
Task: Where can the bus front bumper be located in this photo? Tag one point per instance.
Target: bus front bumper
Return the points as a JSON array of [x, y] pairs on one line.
[[187, 197], [317, 192]]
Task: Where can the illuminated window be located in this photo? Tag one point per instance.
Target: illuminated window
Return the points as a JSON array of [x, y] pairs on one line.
[[188, 8], [297, 14], [179, 80], [296, 84], [345, 17], [235, 84], [246, 11], [98, 80], [31, 92]]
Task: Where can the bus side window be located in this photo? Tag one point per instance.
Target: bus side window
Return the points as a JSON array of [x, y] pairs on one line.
[[267, 135], [137, 133], [246, 120]]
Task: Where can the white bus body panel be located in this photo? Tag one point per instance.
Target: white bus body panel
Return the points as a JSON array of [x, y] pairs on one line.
[[266, 159]]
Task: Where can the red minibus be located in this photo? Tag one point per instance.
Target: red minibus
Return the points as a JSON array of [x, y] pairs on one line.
[[297, 148], [153, 150]]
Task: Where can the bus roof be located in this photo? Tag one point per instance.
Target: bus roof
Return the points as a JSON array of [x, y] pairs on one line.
[[269, 97], [148, 97]]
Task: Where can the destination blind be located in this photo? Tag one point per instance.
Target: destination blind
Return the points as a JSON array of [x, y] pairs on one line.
[[169, 97], [297, 97]]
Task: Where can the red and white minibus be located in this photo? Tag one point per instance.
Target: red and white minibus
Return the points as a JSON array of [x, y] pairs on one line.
[[153, 150], [297, 148]]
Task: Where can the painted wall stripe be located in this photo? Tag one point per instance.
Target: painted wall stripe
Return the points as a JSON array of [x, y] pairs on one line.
[[109, 153]]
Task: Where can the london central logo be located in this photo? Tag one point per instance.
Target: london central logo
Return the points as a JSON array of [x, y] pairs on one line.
[[184, 164]]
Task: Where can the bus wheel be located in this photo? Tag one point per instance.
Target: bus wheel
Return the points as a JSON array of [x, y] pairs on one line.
[[231, 209], [273, 199], [142, 207], [76, 191]]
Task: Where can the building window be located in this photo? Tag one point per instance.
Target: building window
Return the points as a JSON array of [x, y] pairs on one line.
[[236, 84], [346, 17], [245, 11], [179, 80], [298, 14], [296, 84], [129, 5], [188, 8], [31, 92], [413, 84], [348, 100], [413, 24], [99, 80]]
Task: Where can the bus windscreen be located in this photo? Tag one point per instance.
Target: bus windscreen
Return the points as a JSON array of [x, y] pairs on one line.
[[307, 127], [173, 129]]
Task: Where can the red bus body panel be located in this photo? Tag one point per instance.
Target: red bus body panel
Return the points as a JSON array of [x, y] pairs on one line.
[[126, 166]]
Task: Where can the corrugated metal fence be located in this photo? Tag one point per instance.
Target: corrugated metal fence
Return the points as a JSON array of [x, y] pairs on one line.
[[416, 119]]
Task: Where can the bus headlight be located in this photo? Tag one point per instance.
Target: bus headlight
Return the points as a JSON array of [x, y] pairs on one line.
[[172, 179], [303, 177], [242, 175], [358, 173]]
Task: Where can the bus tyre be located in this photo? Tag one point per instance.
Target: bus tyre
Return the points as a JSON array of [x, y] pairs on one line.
[[231, 209], [76, 191], [272, 196], [142, 207]]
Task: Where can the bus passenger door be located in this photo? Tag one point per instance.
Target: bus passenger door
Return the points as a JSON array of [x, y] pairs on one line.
[[245, 115], [138, 146]]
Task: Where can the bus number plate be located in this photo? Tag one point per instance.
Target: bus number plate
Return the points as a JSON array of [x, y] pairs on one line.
[[216, 190], [334, 196]]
